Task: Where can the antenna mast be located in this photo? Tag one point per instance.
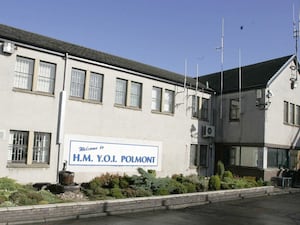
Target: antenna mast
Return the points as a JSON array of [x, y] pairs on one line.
[[296, 27], [222, 62]]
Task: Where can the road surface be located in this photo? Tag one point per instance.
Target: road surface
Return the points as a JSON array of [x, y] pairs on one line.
[[271, 210]]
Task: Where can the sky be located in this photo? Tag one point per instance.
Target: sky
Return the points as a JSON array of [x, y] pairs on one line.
[[176, 35]]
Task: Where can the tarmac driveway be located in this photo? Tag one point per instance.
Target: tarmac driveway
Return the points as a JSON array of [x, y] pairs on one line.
[[271, 210]]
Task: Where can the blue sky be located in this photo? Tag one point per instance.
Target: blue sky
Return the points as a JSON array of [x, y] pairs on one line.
[[165, 33]]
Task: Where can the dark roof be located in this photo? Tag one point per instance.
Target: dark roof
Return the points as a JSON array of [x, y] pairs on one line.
[[40, 41], [253, 76]]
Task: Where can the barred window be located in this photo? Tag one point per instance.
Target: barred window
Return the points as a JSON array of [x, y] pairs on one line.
[[156, 99], [136, 95], [23, 73], [95, 87], [121, 92], [77, 83], [18, 146], [46, 77], [41, 147]]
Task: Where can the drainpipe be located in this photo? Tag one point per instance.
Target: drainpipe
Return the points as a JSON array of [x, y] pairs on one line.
[[61, 117]]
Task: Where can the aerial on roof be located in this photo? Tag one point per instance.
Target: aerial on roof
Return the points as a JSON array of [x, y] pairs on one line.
[[40, 41], [253, 76]]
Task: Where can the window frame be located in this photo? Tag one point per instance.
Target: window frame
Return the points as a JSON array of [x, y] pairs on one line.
[[20, 76], [16, 149], [92, 87], [234, 112], [41, 76], [41, 154], [195, 106], [204, 112], [136, 98], [169, 101], [157, 99], [77, 88], [131, 97]]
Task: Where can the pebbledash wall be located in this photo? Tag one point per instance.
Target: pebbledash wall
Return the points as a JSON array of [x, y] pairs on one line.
[[96, 117]]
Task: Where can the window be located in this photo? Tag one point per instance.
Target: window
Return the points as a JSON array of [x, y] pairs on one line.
[[128, 93], [277, 158], [244, 156], [77, 83], [95, 87], [156, 99], [136, 95], [26, 77], [195, 106], [41, 147], [169, 101], [297, 115], [163, 100], [18, 146], [194, 155], [234, 109], [286, 112], [204, 155], [204, 109], [121, 91], [46, 77], [27, 143], [23, 73], [292, 114]]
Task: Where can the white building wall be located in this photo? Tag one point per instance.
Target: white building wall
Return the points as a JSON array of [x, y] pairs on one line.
[[31, 111], [279, 134]]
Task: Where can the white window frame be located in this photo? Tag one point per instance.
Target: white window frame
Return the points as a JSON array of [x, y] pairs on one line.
[[136, 95], [41, 147], [46, 77], [156, 99], [77, 83], [95, 87], [24, 70], [169, 97], [18, 146], [121, 92]]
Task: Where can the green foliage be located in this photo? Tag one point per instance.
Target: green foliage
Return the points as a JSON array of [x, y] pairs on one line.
[[25, 197], [227, 174], [116, 192], [214, 183], [220, 169], [8, 184]]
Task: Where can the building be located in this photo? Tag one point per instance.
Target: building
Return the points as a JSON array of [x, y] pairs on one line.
[[258, 117], [96, 113]]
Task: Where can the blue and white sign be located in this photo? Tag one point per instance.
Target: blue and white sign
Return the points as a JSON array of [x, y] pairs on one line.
[[89, 152]]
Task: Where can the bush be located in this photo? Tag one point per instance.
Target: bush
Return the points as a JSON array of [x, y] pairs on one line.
[[116, 193], [220, 169], [228, 174], [24, 197], [214, 183], [9, 184]]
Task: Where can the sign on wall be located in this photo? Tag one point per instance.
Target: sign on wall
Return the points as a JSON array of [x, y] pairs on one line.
[[83, 152]]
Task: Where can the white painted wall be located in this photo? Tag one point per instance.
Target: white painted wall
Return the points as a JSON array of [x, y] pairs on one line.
[[35, 112]]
